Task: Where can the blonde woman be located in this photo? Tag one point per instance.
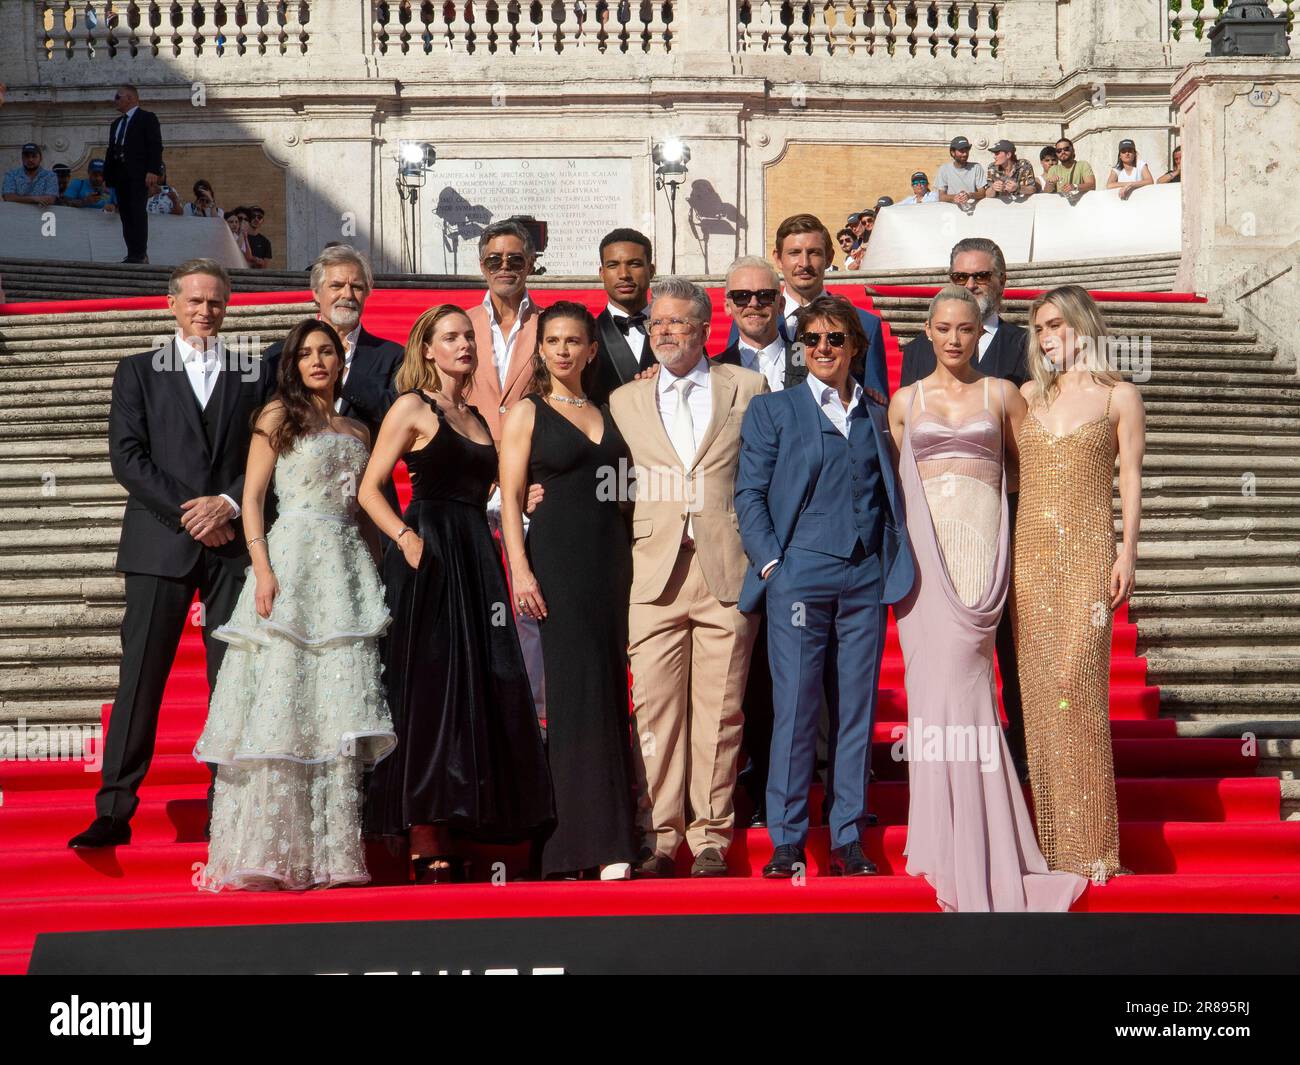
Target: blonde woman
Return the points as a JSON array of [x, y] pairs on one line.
[[469, 760], [1068, 577]]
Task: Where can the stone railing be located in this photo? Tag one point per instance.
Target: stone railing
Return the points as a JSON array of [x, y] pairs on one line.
[[1189, 24], [487, 27], [108, 29], [877, 28]]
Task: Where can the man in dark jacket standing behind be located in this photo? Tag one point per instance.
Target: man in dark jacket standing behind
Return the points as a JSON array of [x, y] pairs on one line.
[[134, 160]]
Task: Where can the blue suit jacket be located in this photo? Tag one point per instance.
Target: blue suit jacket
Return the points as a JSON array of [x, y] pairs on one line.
[[875, 376], [780, 460]]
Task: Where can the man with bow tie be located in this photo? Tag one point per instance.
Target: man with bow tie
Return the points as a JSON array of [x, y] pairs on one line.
[[178, 434], [626, 270]]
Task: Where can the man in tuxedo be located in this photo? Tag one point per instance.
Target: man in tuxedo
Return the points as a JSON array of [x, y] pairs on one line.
[[626, 269], [803, 251], [134, 163], [178, 430], [978, 264], [341, 282], [688, 644], [753, 289], [821, 516]]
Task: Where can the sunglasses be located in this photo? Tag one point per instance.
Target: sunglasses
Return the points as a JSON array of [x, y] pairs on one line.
[[741, 296], [514, 261], [835, 340], [983, 277]]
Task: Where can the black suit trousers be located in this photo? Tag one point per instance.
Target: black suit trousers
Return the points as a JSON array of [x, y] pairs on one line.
[[157, 611], [132, 201]]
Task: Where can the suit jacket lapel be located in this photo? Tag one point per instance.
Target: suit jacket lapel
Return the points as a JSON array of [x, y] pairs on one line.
[[521, 354], [723, 390], [225, 398], [795, 369], [626, 364], [647, 400], [881, 429], [179, 382], [810, 429]]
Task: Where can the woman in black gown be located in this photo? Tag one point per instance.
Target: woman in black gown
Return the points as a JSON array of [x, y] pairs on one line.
[[574, 574], [469, 756]]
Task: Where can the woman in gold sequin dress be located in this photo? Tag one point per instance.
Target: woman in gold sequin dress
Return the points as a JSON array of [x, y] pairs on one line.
[[1068, 577]]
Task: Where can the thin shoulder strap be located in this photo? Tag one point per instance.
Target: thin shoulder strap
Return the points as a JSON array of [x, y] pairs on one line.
[[986, 393], [920, 391], [432, 403], [1110, 394]]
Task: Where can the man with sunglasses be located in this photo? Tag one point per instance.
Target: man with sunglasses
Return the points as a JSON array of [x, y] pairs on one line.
[[626, 269], [978, 265], [258, 243], [133, 164], [803, 251], [1070, 177]]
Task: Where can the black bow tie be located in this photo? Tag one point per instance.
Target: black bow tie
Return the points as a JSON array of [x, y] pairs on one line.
[[631, 321]]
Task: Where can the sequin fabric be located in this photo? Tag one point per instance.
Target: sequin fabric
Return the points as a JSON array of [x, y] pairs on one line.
[[1064, 552], [299, 710]]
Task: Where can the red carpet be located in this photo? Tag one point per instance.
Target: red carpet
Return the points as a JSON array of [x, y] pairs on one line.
[[1199, 829]]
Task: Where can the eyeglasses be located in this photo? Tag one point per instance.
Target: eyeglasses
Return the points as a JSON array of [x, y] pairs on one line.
[[835, 340], [514, 261], [670, 325], [741, 296], [982, 277]]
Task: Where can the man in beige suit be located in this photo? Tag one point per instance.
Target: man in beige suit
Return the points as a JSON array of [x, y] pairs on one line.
[[689, 646], [505, 323]]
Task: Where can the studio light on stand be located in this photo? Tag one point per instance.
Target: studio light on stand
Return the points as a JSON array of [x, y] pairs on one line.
[[670, 158], [414, 160]]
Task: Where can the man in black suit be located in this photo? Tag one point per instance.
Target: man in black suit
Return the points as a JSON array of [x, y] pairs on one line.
[[134, 161], [178, 432], [978, 264], [626, 270], [341, 281]]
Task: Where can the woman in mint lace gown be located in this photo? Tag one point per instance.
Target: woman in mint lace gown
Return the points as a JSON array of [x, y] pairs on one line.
[[299, 710], [968, 827]]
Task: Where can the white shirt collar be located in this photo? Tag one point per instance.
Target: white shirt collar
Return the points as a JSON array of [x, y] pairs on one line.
[[618, 312], [992, 322], [770, 351], [189, 353], [824, 393], [524, 304], [698, 374]]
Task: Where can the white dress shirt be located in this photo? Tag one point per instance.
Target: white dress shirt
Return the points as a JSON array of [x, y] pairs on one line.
[[769, 361], [699, 398], [349, 349], [203, 368], [991, 324], [502, 345], [635, 338]]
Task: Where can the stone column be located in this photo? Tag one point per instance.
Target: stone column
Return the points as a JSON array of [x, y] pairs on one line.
[[1239, 119]]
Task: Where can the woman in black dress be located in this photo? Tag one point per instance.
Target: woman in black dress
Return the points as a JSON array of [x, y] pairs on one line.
[[469, 756], [574, 574]]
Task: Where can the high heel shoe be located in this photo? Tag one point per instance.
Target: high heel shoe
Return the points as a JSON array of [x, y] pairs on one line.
[[427, 871]]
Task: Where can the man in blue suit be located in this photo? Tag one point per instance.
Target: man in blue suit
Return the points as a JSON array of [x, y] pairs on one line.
[[821, 519], [803, 252]]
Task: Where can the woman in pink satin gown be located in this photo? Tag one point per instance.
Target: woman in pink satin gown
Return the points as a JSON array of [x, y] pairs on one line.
[[968, 827]]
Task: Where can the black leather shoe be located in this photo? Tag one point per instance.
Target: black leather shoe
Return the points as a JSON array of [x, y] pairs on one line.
[[650, 865], [850, 861], [103, 832], [709, 862], [784, 861], [759, 820]]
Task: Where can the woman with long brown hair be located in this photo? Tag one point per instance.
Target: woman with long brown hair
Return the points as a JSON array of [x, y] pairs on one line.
[[1067, 577], [470, 759], [298, 710]]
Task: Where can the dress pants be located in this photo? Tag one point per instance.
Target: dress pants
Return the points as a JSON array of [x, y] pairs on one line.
[[825, 634], [689, 655], [132, 208], [756, 740], [157, 611]]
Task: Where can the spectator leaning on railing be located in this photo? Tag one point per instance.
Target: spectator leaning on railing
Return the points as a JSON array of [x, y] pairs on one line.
[[1176, 174], [163, 199], [1129, 172], [1047, 159], [63, 175], [31, 183], [1070, 177], [204, 204], [960, 181], [921, 191], [1010, 179], [91, 191]]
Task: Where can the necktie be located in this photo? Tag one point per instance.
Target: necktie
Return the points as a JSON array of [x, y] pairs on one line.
[[631, 321], [683, 436]]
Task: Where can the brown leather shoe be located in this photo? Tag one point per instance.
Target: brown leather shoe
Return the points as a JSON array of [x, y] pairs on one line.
[[709, 862], [650, 865]]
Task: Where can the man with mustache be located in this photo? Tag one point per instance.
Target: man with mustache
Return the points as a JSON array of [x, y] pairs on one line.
[[979, 265], [803, 251], [1070, 177]]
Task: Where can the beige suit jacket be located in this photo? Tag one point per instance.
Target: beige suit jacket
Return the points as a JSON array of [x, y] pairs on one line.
[[667, 494], [487, 394]]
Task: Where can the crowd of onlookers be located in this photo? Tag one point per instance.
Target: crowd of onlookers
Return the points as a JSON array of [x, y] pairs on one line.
[[1009, 179], [32, 183]]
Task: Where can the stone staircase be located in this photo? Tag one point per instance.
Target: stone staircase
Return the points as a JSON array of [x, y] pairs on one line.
[[33, 279], [1218, 597]]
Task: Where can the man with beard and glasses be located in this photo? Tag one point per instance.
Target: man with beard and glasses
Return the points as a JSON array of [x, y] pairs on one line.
[[978, 265], [1071, 177], [341, 282]]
